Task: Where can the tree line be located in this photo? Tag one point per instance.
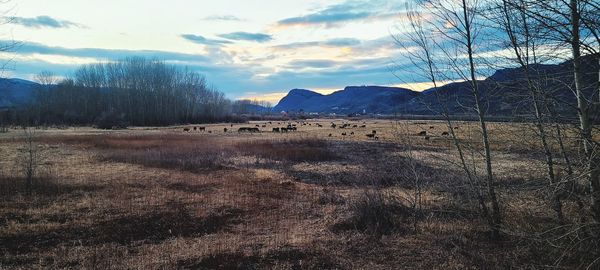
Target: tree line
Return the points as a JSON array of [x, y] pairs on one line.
[[133, 91]]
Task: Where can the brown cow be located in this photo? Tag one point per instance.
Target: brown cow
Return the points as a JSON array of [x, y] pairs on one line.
[[186, 129], [423, 133]]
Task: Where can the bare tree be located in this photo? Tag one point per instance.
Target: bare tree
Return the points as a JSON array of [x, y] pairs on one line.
[[460, 23], [419, 44], [520, 32], [46, 78], [574, 22]]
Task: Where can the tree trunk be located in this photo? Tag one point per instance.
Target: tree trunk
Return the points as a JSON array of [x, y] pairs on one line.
[[583, 111], [495, 218]]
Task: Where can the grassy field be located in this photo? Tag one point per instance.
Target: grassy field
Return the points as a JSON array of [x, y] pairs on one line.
[[161, 198]]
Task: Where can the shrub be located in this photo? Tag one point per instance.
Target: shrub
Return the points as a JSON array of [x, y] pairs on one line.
[[376, 213], [111, 120], [298, 150]]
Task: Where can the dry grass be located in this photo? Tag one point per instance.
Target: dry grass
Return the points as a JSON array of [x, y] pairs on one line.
[[160, 198]]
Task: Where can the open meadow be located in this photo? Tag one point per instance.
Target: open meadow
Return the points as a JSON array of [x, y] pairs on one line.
[[210, 197]]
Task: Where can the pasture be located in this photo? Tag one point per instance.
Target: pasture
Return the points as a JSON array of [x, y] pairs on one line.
[[318, 197]]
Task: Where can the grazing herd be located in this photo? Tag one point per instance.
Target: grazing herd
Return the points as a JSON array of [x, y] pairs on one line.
[[290, 127]]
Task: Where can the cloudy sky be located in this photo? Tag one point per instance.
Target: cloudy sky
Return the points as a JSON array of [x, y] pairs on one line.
[[247, 49]]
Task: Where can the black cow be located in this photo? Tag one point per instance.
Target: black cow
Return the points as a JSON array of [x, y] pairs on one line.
[[248, 129]]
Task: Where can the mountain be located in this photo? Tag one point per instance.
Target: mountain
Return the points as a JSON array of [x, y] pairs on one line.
[[16, 92], [353, 99], [502, 94]]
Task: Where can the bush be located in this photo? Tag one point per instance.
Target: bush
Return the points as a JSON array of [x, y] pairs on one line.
[[376, 213], [111, 120]]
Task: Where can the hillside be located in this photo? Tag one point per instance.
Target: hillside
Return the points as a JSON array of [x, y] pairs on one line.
[[16, 92], [353, 99], [504, 93]]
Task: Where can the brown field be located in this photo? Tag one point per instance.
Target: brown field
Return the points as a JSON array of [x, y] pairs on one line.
[[162, 198]]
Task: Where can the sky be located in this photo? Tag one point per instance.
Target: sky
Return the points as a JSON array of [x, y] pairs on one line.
[[247, 49]]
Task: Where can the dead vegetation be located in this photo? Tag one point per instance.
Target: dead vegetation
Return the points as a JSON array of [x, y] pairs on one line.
[[162, 199]]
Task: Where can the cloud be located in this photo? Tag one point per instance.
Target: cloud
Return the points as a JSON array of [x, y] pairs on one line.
[[336, 42], [257, 37], [27, 48], [43, 22], [348, 11], [223, 18], [319, 63], [204, 41]]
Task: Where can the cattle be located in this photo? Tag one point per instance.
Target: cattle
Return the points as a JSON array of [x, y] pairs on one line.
[[344, 134], [248, 129], [371, 135], [264, 126], [427, 138], [202, 128], [423, 133], [445, 134], [319, 125], [209, 132], [256, 125], [195, 128], [225, 130], [284, 130], [374, 132], [231, 125], [330, 135], [352, 133], [276, 130], [363, 126], [355, 126], [333, 125], [186, 129], [431, 127], [456, 127], [376, 138]]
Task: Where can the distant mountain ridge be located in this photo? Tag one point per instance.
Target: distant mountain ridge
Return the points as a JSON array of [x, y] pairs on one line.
[[353, 99], [16, 92], [503, 94]]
